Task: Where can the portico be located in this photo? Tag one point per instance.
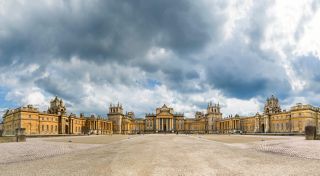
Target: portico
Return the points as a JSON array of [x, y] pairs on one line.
[[163, 120], [164, 124]]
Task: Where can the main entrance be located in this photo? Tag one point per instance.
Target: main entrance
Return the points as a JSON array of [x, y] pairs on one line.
[[164, 124]]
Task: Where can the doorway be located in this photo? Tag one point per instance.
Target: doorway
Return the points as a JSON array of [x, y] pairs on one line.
[[164, 127], [66, 129], [262, 128]]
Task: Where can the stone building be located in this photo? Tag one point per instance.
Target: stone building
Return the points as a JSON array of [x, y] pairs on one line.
[[1, 128], [273, 119], [164, 120], [54, 121], [123, 123]]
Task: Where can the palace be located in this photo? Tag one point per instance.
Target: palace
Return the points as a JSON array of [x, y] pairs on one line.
[[55, 121]]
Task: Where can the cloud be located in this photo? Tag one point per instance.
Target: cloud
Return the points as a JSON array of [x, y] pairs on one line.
[[146, 53], [100, 31]]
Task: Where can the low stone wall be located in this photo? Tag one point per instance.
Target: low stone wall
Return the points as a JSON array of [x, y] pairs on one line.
[[5, 139], [18, 138], [311, 132], [275, 134], [54, 135]]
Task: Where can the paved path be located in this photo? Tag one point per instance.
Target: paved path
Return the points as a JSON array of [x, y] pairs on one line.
[[165, 155]]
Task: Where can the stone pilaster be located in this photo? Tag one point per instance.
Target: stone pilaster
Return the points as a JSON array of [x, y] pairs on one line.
[[267, 123]]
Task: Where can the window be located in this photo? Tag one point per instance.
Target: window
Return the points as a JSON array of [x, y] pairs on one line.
[[56, 128], [42, 127], [51, 128], [29, 116], [47, 127]]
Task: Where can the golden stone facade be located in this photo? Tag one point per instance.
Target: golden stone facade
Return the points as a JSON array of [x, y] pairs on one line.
[[55, 121], [52, 122]]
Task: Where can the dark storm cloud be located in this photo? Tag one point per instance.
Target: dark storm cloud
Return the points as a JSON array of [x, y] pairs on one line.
[[109, 31], [91, 49], [192, 74], [61, 88], [102, 31], [307, 67], [242, 72], [241, 68]]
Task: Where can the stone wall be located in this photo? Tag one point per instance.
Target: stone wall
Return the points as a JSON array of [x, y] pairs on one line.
[[5, 139]]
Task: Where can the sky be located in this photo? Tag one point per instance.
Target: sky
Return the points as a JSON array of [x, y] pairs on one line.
[[144, 54]]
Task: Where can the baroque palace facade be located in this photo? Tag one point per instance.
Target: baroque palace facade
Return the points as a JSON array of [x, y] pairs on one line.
[[55, 121]]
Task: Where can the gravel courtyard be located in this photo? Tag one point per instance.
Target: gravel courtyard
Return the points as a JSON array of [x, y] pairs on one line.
[[160, 154]]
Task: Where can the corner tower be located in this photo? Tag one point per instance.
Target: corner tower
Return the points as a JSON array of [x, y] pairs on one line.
[[115, 114], [57, 107], [213, 114], [271, 106]]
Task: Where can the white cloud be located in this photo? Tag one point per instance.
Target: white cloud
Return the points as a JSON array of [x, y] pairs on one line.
[[242, 107], [309, 42], [28, 96], [289, 32]]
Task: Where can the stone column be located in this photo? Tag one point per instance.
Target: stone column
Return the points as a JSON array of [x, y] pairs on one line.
[[257, 125], [71, 126], [172, 127], [167, 125], [267, 123], [157, 125], [161, 124]]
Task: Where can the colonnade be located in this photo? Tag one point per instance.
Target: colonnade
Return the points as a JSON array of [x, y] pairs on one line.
[[164, 124], [227, 125]]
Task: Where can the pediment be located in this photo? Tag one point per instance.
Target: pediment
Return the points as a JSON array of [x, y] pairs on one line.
[[164, 114]]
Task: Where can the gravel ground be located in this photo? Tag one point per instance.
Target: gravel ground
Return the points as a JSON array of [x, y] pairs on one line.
[[98, 139], [293, 146], [37, 148], [240, 138], [168, 155]]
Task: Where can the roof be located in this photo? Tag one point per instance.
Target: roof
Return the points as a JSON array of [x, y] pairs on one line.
[[164, 106]]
